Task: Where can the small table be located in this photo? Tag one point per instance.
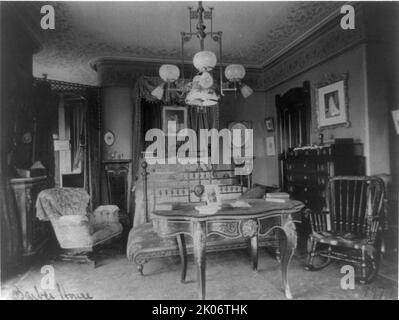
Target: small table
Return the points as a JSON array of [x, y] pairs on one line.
[[230, 222]]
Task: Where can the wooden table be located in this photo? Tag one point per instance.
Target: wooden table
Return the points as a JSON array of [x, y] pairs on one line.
[[258, 220]]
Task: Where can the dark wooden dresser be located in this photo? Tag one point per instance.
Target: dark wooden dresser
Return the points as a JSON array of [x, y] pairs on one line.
[[306, 170]]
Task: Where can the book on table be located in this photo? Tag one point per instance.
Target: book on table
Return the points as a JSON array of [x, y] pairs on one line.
[[280, 197]]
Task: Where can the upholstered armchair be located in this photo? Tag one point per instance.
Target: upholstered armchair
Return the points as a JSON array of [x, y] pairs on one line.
[[349, 228], [77, 230]]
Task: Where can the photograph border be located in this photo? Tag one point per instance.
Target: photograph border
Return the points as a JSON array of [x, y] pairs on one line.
[[340, 82]]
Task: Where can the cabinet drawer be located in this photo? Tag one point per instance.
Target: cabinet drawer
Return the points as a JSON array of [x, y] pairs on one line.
[[302, 178], [305, 192], [301, 166], [306, 179]]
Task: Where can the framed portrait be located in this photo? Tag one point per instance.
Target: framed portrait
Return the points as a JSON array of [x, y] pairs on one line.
[[212, 195], [269, 123], [174, 113], [332, 102], [270, 146], [395, 117]]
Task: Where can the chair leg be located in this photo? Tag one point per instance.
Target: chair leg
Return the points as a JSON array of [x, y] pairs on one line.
[[372, 264], [312, 251], [363, 267], [375, 261], [140, 268], [183, 256]]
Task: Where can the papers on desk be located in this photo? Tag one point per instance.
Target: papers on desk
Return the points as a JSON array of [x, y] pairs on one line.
[[207, 209], [240, 204]]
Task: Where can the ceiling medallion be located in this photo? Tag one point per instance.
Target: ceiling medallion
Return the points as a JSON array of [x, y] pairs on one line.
[[202, 91]]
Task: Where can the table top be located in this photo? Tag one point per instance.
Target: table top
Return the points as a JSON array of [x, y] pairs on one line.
[[187, 211]]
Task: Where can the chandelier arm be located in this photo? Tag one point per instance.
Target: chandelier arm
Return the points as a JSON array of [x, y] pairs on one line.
[[189, 17], [182, 53], [211, 9], [220, 63]]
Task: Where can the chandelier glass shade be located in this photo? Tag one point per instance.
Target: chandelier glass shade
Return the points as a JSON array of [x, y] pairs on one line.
[[169, 72], [158, 91], [234, 72], [202, 90], [205, 80], [245, 90], [204, 61]]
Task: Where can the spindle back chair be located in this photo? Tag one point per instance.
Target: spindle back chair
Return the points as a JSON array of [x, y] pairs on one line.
[[349, 228]]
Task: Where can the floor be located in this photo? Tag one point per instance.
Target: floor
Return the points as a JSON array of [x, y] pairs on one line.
[[229, 276]]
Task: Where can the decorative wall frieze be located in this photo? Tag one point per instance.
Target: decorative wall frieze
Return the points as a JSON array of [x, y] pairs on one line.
[[322, 45]]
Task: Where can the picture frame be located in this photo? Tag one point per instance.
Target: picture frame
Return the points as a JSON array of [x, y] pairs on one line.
[[269, 123], [332, 101], [109, 138], [174, 113], [270, 146], [395, 118], [212, 195]]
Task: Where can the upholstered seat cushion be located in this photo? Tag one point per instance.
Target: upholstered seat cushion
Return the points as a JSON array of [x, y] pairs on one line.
[[144, 244]]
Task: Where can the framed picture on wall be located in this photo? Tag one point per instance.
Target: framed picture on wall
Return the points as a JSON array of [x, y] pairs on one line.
[[270, 146], [332, 102], [269, 123], [174, 113]]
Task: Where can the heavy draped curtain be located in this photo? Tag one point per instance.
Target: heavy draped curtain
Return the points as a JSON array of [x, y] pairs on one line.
[[92, 156], [141, 98]]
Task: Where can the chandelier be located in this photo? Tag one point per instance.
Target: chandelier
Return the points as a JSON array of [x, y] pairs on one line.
[[202, 91]]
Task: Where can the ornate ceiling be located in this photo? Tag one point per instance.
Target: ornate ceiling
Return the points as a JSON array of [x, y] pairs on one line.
[[253, 32]]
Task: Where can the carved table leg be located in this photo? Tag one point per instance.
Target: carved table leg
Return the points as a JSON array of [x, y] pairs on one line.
[[199, 243], [183, 255], [287, 250], [254, 252]]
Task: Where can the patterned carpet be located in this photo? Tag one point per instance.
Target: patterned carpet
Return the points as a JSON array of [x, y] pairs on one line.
[[229, 276]]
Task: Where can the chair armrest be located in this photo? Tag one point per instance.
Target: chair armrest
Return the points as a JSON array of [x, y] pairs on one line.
[[73, 231], [106, 214]]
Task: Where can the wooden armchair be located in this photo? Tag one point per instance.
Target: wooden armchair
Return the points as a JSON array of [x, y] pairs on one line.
[[349, 229]]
